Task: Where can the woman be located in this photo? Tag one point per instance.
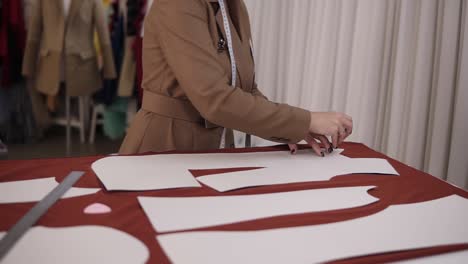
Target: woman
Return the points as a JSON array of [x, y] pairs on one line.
[[188, 100]]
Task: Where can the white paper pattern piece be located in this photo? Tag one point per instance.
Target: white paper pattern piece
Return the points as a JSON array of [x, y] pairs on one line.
[[457, 257], [154, 172], [35, 190], [141, 173], [81, 244], [281, 168], [399, 227], [182, 213]]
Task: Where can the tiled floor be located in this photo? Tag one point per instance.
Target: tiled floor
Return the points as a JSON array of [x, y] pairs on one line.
[[54, 146]]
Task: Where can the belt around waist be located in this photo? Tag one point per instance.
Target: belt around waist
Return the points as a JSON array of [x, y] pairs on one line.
[[171, 107]]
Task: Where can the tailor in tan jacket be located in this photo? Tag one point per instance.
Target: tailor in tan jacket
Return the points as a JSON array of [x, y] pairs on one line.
[[51, 36], [186, 82]]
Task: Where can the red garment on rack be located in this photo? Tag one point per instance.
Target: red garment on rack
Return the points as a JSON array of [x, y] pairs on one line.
[[138, 46], [12, 41], [138, 49]]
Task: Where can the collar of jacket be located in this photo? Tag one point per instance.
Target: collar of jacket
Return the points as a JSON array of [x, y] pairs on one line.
[[235, 13], [74, 8]]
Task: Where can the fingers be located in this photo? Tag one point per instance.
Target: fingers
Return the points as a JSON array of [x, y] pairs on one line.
[[341, 136], [348, 125], [324, 140], [293, 148], [335, 138], [337, 126], [315, 146], [345, 128]]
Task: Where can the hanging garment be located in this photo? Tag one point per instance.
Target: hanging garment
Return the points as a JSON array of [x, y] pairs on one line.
[[108, 92], [27, 4], [17, 123], [115, 118], [115, 114], [138, 49], [135, 13], [12, 41], [17, 120], [128, 70], [50, 36], [128, 78]]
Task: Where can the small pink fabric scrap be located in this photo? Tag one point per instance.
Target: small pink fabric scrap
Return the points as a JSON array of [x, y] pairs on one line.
[[97, 208]]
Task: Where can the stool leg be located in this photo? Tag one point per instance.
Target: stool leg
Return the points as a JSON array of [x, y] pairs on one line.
[[68, 128], [86, 112], [82, 119], [92, 132]]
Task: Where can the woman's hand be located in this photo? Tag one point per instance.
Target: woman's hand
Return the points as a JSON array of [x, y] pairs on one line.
[[337, 126], [312, 139]]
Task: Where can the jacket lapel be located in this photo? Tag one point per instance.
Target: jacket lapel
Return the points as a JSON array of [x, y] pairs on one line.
[[236, 17], [237, 23], [235, 43], [234, 13], [59, 7], [74, 9]]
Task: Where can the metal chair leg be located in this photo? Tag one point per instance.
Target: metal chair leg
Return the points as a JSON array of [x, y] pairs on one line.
[[68, 127], [81, 105], [92, 132]]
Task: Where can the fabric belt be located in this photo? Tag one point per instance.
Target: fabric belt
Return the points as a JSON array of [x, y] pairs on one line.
[[171, 107]]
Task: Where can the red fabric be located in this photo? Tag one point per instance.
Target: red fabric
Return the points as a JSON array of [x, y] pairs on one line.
[[141, 17], [410, 187], [12, 41]]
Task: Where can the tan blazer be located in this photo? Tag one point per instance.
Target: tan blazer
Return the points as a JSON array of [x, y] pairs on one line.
[[50, 36], [186, 82]]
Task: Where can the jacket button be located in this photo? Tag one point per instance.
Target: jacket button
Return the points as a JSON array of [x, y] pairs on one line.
[[221, 45]]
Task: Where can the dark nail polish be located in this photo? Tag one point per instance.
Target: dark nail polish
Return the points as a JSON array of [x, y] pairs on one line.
[[323, 154], [330, 149], [293, 151]]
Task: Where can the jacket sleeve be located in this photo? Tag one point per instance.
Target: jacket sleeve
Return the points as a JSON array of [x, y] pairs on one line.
[[257, 92], [33, 42], [109, 71], [182, 29]]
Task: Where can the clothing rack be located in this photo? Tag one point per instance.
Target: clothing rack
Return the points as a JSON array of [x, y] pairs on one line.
[[132, 11]]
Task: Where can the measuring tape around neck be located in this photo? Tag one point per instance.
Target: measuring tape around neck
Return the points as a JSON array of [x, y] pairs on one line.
[[227, 29]]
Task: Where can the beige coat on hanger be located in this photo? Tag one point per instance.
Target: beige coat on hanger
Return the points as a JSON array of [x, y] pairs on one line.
[[186, 81], [51, 35]]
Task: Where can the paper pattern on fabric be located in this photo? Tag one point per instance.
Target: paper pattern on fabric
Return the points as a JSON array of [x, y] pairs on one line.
[[457, 257], [141, 173], [76, 245], [169, 214], [154, 172], [281, 168], [398, 227], [35, 190]]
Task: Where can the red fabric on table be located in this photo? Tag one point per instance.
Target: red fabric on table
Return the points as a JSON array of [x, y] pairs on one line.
[[411, 186]]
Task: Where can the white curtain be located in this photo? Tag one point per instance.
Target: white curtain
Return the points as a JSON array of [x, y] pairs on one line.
[[399, 67]]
